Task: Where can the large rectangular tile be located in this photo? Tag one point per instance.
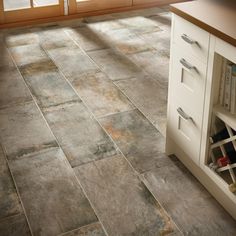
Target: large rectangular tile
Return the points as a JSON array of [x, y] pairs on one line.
[[54, 37], [72, 62], [27, 54], [153, 63], [187, 202], [100, 94], [125, 41], [9, 202], [87, 38], [94, 229], [137, 138], [79, 134], [112, 184], [139, 24], [5, 59], [47, 84], [150, 97], [14, 226], [23, 130], [20, 37], [115, 65], [13, 89], [53, 200]]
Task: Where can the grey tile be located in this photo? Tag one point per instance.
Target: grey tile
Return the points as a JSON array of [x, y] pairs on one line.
[[23, 130], [51, 195], [47, 84], [27, 54], [136, 137], [101, 95], [112, 184], [159, 40], [87, 38], [72, 62], [10, 204], [115, 65], [154, 63], [12, 87], [21, 37], [139, 24], [5, 59], [126, 41], [162, 19], [187, 202], [150, 98], [88, 230], [80, 136], [55, 37], [14, 226]]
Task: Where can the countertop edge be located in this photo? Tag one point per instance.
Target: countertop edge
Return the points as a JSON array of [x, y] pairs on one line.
[[203, 25]]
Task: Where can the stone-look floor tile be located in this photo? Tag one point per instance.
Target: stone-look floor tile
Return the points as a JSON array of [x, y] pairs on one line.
[[13, 89], [115, 65], [94, 229], [87, 38], [112, 184], [53, 38], [53, 200], [187, 202], [136, 137], [126, 41], [47, 84], [155, 64], [5, 59], [163, 20], [23, 130], [80, 136], [9, 202], [159, 40], [14, 226], [150, 97], [72, 61], [101, 95], [20, 38], [139, 24], [27, 54]]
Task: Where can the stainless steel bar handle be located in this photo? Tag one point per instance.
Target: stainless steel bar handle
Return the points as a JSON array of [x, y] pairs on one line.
[[187, 65], [187, 39], [183, 114]]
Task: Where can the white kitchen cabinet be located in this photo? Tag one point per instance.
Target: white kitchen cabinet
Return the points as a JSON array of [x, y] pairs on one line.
[[193, 104]]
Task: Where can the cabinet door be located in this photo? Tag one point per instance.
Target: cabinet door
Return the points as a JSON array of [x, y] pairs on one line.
[[140, 2], [96, 5]]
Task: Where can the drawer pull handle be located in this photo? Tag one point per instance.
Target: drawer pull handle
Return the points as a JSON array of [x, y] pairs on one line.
[[187, 39], [184, 115], [187, 65]]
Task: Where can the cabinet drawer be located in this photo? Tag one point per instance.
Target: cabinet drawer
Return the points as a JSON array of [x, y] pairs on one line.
[[191, 38], [188, 79], [184, 127]]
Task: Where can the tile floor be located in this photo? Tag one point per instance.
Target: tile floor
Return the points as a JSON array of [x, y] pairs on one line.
[[82, 126]]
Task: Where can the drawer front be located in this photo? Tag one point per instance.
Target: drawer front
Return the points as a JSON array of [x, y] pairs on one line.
[[184, 127], [188, 79], [191, 38]]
